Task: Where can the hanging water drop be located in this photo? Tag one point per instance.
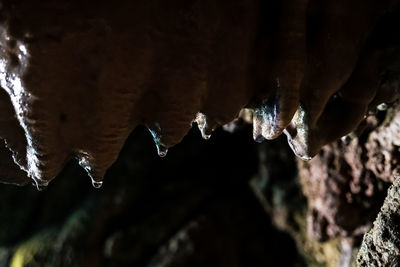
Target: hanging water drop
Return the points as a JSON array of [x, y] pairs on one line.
[[87, 163], [205, 132], [258, 138], [346, 140], [204, 125], [40, 187], [161, 150], [40, 184], [257, 130], [97, 184], [156, 132], [382, 107], [265, 120], [206, 136]]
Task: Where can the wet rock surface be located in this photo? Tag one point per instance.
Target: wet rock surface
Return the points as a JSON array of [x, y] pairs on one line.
[[77, 77], [73, 90], [208, 203]]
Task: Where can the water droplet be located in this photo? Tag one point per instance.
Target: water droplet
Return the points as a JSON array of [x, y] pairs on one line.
[[97, 184], [258, 130], [259, 138], [205, 132], [86, 161], [266, 119], [83, 161], [161, 150], [382, 107], [40, 187], [206, 136], [347, 139], [306, 158], [156, 132], [204, 125], [40, 184]]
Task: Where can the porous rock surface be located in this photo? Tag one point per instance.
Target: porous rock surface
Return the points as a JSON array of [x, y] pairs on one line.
[[381, 245], [343, 196], [77, 77], [338, 194], [277, 186], [346, 182]]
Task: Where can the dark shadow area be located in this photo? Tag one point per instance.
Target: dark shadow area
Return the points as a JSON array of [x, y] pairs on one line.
[[191, 208]]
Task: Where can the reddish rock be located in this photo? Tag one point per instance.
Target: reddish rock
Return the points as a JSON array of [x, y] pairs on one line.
[[346, 182]]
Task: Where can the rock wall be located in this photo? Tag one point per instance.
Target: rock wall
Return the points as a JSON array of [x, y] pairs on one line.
[[381, 244], [77, 77]]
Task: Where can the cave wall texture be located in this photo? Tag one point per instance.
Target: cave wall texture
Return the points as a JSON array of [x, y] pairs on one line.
[[77, 78]]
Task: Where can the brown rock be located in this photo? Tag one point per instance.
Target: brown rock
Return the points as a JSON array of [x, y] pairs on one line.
[[346, 182], [81, 76], [381, 245]]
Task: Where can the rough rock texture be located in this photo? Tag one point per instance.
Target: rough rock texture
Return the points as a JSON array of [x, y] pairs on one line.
[[338, 194], [343, 196], [80, 76], [345, 184], [193, 207], [278, 188], [381, 245]]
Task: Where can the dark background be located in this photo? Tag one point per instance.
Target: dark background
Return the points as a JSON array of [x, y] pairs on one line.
[[192, 208]]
